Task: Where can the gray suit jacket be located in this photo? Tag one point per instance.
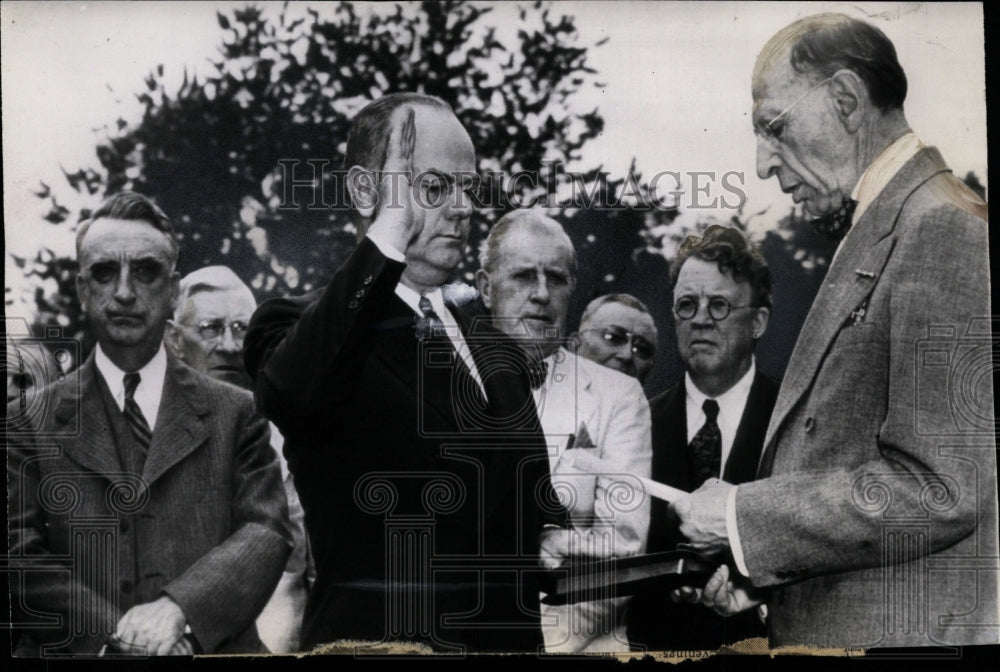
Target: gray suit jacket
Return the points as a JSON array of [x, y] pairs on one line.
[[205, 522], [876, 524]]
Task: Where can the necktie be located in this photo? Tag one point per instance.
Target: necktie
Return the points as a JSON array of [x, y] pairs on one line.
[[836, 224], [537, 372], [430, 325], [136, 420], [706, 446]]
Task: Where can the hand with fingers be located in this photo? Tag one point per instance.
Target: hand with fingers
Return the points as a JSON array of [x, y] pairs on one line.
[[724, 594], [154, 629], [394, 214]]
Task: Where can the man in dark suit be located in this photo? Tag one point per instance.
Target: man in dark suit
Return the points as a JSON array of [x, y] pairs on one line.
[[410, 430], [873, 521], [156, 482], [711, 424]]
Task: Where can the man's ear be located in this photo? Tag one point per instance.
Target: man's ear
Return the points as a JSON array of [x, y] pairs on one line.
[[483, 285], [850, 95], [172, 339], [363, 189], [760, 320], [175, 290], [82, 292]]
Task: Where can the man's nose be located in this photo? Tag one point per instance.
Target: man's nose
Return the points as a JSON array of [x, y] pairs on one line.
[[702, 317], [540, 291], [625, 352], [228, 343], [768, 160], [124, 291], [459, 204]]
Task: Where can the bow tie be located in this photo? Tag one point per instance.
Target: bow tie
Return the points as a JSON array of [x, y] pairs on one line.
[[537, 372], [836, 224]]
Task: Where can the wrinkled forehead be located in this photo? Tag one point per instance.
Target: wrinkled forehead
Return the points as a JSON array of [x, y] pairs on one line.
[[531, 246], [228, 304], [618, 314], [775, 83], [442, 143], [124, 240], [704, 278]]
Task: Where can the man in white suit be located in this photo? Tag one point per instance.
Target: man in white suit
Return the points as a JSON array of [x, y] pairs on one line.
[[527, 277]]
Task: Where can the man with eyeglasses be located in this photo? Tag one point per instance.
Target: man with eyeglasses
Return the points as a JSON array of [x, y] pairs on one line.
[[177, 525], [526, 280], [711, 424], [207, 333], [873, 520], [617, 331]]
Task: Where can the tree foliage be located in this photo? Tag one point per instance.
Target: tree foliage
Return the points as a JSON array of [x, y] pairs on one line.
[[286, 88]]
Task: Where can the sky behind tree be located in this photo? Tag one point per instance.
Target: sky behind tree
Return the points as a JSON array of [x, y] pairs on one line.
[[677, 74]]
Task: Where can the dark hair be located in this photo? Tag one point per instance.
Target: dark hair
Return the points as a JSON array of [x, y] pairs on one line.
[[735, 255], [129, 205], [825, 43], [369, 134], [624, 299]]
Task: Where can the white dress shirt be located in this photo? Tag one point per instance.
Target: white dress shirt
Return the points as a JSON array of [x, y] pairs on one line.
[[731, 405], [150, 388], [412, 298]]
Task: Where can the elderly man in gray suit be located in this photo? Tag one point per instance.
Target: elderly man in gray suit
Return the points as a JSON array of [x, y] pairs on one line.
[[206, 333], [874, 522], [146, 507]]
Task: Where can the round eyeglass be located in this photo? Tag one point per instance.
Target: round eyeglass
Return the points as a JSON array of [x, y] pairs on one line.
[[718, 307], [210, 330], [619, 336]]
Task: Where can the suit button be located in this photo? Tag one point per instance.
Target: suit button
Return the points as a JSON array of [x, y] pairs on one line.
[[368, 280], [360, 294], [810, 425], [123, 525], [353, 305], [126, 587]]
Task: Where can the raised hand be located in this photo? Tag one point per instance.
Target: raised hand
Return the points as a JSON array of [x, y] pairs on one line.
[[394, 213]]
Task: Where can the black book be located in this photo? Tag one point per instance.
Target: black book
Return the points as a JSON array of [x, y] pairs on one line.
[[617, 577]]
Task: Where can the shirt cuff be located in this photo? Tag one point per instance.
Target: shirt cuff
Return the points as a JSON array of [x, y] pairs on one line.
[[732, 531], [385, 247]]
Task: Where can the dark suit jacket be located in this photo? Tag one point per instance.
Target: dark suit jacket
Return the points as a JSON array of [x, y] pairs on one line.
[[874, 520], [205, 522], [415, 489], [654, 621]]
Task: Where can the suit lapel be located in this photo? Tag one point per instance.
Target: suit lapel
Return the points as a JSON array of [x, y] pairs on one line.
[[742, 463], [93, 446], [181, 425], [852, 277]]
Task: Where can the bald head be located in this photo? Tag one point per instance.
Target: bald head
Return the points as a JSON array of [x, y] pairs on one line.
[[212, 315]]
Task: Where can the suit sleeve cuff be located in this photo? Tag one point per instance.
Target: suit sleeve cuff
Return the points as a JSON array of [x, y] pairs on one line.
[[385, 247], [733, 532]]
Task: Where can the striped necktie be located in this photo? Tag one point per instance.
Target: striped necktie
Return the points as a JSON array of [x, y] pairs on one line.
[[136, 421]]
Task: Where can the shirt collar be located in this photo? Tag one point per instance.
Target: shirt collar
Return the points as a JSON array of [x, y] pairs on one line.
[[151, 375], [735, 393], [882, 170], [412, 298]]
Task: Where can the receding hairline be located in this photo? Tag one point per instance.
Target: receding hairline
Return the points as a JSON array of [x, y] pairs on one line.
[[207, 280], [85, 229], [626, 300]]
